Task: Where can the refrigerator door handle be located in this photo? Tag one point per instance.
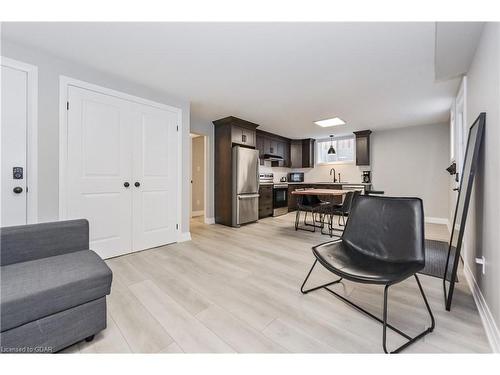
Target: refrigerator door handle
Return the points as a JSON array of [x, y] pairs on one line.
[[248, 196]]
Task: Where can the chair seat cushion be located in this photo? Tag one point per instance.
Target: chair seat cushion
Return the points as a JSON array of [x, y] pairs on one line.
[[345, 261], [39, 288]]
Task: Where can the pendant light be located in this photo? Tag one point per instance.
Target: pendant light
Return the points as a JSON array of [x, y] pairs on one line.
[[331, 150]]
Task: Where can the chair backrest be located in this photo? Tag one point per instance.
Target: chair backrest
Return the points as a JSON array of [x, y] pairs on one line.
[[387, 228], [348, 199]]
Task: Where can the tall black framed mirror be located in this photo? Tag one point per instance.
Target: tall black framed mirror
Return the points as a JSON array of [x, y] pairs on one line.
[[468, 172]]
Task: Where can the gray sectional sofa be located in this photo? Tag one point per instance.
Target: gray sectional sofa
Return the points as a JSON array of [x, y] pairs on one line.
[[53, 288]]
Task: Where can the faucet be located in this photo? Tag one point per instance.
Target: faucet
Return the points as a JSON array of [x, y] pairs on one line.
[[334, 172]]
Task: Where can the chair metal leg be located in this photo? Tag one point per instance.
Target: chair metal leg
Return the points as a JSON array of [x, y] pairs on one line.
[[384, 322], [417, 337], [317, 287], [297, 222]]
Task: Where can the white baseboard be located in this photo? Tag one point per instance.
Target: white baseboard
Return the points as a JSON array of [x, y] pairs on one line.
[[437, 220], [197, 213], [489, 323], [209, 220], [184, 236]]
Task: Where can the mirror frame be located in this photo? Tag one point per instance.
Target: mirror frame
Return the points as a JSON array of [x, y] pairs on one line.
[[467, 190]]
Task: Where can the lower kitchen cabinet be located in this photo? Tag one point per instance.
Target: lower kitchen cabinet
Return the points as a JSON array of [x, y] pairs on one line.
[[292, 199], [265, 201]]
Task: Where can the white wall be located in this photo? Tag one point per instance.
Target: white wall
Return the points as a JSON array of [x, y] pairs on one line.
[[197, 174], [49, 69], [411, 162], [483, 220]]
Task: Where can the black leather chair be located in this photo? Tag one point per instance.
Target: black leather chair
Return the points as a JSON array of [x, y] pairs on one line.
[[309, 204], [382, 243], [341, 210]]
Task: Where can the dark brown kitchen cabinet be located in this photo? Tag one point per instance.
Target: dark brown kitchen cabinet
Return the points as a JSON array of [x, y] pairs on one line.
[[302, 153], [228, 131], [265, 201], [363, 147], [243, 136], [292, 198], [259, 145], [275, 145]]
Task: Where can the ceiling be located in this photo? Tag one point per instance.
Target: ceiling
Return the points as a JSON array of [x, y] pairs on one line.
[[282, 76]]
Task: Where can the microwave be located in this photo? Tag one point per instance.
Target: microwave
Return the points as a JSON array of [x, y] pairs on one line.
[[296, 177]]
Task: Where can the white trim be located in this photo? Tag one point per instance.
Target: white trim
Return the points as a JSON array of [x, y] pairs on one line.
[[32, 135], [184, 236], [205, 166], [209, 220], [487, 318], [64, 83], [437, 220]]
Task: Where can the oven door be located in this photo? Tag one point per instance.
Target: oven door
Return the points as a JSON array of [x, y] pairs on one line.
[[280, 201]]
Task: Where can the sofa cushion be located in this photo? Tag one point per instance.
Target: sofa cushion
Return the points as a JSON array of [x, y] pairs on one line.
[[38, 288], [36, 241]]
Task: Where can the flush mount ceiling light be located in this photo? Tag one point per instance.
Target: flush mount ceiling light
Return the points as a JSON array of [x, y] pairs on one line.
[[336, 121], [331, 150]]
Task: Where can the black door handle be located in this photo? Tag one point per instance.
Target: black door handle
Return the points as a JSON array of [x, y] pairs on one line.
[[137, 184], [18, 190], [126, 184]]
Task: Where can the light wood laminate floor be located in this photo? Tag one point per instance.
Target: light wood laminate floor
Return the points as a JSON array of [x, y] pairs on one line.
[[237, 290]]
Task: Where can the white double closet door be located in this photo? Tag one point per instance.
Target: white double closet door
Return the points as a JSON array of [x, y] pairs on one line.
[[121, 171]]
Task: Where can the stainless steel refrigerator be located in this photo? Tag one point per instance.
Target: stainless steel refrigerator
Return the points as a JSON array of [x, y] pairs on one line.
[[245, 185]]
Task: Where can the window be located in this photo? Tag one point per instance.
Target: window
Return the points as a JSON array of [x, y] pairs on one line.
[[344, 149]]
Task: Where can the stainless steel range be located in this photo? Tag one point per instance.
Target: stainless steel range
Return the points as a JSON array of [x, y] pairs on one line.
[[280, 193], [280, 199]]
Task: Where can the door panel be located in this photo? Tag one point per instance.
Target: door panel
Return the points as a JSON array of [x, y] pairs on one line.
[[248, 208], [247, 170], [155, 169], [13, 145], [99, 162]]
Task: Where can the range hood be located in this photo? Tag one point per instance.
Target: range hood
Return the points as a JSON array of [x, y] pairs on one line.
[[271, 157]]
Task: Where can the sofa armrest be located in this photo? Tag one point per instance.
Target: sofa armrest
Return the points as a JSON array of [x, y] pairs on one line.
[[35, 241]]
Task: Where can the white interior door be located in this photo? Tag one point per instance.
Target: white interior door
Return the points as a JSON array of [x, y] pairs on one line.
[[155, 171], [14, 111], [113, 142], [99, 163]]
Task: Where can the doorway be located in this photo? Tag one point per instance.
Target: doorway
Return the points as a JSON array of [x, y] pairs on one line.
[[18, 134], [198, 176]]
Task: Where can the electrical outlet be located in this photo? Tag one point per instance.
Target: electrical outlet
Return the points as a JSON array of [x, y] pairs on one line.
[[482, 262]]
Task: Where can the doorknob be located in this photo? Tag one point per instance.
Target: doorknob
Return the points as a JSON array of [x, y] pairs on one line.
[[126, 184], [137, 184], [18, 190]]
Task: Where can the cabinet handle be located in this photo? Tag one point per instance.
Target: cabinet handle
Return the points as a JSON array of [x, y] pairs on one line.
[[18, 190], [137, 184], [126, 184]]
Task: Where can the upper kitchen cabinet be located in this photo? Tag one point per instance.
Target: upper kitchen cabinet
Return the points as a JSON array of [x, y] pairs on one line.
[[302, 153], [363, 147], [273, 147], [242, 132], [243, 136]]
